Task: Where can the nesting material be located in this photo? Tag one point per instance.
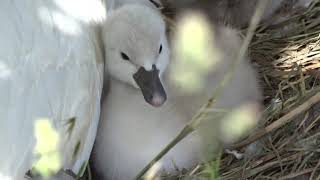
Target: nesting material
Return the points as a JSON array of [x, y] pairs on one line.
[[286, 143]]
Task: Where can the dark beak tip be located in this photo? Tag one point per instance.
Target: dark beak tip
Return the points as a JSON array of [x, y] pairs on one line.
[[151, 86], [158, 101]]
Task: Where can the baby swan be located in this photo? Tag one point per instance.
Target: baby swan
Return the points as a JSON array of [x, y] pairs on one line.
[[131, 130], [137, 118]]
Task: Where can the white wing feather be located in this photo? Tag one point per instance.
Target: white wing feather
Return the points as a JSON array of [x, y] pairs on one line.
[[50, 67]]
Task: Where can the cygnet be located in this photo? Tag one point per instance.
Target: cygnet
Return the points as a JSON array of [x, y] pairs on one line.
[[141, 113], [133, 127]]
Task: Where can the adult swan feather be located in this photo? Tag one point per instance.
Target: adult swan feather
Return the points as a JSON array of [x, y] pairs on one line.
[[50, 68]]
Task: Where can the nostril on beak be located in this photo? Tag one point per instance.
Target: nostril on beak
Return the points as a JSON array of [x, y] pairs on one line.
[[151, 97]]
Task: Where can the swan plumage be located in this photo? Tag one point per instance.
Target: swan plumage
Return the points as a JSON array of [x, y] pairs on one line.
[[51, 68]]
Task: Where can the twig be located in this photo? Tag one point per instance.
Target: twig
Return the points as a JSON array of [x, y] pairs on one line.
[[280, 122], [293, 175], [178, 138], [314, 170]]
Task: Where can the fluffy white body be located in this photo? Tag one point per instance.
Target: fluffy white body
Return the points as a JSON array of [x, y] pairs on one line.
[[50, 67], [131, 131]]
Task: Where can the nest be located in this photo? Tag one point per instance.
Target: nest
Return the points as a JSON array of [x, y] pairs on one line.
[[286, 143], [286, 146]]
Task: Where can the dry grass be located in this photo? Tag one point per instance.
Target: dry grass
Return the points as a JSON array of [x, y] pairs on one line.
[[288, 141]]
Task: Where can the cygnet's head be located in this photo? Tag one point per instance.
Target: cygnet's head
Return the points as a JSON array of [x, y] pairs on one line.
[[136, 50]]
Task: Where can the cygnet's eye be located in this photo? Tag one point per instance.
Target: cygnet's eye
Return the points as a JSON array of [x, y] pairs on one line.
[[124, 56], [160, 49]]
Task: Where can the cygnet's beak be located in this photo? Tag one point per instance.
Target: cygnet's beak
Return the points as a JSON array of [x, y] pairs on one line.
[[150, 85]]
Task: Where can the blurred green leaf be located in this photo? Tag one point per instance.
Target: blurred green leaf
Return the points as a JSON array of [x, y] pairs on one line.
[[46, 148], [195, 53], [238, 122]]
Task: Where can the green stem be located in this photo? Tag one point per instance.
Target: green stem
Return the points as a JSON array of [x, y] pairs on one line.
[[185, 131]]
